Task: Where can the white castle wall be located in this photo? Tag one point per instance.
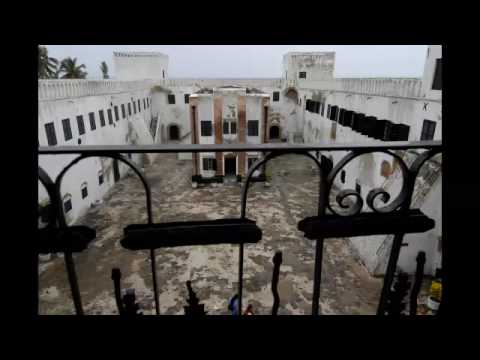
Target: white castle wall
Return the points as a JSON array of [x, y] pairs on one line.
[[128, 130]]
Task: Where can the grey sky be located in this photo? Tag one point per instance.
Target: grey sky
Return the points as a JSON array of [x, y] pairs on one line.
[[250, 61]]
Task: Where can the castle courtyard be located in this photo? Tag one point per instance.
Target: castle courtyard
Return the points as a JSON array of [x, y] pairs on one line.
[[346, 288]]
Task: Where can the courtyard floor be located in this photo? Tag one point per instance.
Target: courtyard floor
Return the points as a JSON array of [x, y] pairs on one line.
[[346, 287]]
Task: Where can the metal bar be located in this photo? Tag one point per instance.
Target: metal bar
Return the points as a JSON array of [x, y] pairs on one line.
[[240, 278], [277, 261], [418, 282], [72, 279], [154, 277], [196, 148], [391, 267], [317, 276]]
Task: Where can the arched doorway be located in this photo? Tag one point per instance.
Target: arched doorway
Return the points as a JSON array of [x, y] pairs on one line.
[[173, 132], [274, 132]]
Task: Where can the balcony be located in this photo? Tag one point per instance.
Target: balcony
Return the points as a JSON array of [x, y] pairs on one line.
[[161, 233]]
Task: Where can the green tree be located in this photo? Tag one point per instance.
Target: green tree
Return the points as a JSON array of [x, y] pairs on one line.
[[71, 70], [104, 69], [47, 66]]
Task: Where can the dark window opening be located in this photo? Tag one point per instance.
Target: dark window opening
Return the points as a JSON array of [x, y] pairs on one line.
[[67, 130], [428, 130], [230, 166], [100, 179], [171, 99], [144, 104], [139, 107], [123, 111], [437, 77], [110, 118], [93, 126], [81, 125], [233, 127], [174, 133], [51, 137], [252, 128], [115, 109], [209, 164], [276, 96], [206, 128], [328, 111], [274, 132], [225, 127], [187, 98], [163, 74], [84, 192], [302, 75], [134, 107], [67, 205], [129, 110], [102, 118]]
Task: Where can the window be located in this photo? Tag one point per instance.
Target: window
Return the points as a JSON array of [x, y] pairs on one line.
[[84, 190], [276, 96], [93, 126], [67, 131], [428, 130], [139, 107], [209, 164], [110, 118], [171, 99], [251, 161], [206, 128], [100, 177], [437, 76], [233, 128], [144, 104], [67, 203], [163, 74], [148, 102], [323, 108], [134, 107], [81, 125], [187, 98], [252, 127], [129, 110], [51, 137], [116, 113], [123, 111], [174, 132], [302, 75], [225, 127], [102, 118]]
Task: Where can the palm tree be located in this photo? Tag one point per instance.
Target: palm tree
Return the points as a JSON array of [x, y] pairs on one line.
[[104, 69], [47, 66], [71, 70]]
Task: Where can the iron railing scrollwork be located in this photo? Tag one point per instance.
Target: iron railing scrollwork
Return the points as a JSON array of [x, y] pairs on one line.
[[395, 216]]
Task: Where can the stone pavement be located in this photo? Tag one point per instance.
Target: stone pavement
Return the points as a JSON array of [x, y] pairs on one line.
[[346, 288]]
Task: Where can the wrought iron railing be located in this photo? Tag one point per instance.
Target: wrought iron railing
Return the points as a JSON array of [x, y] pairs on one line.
[[396, 217]]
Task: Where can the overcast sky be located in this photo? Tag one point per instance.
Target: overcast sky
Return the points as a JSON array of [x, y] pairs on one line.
[[250, 61]]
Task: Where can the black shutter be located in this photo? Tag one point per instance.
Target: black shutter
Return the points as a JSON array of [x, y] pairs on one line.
[[399, 132], [102, 118], [50, 131], [67, 131], [81, 125], [116, 113], [347, 118], [382, 130], [109, 114], [187, 98], [91, 116], [225, 127], [341, 113], [358, 121]]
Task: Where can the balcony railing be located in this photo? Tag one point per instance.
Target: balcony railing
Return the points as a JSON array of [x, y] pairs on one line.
[[395, 217]]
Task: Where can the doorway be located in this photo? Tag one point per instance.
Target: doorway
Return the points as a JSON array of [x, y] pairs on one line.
[[274, 132], [173, 132], [230, 166], [116, 170]]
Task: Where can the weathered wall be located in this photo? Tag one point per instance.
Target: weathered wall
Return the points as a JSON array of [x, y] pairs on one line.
[[129, 130]]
